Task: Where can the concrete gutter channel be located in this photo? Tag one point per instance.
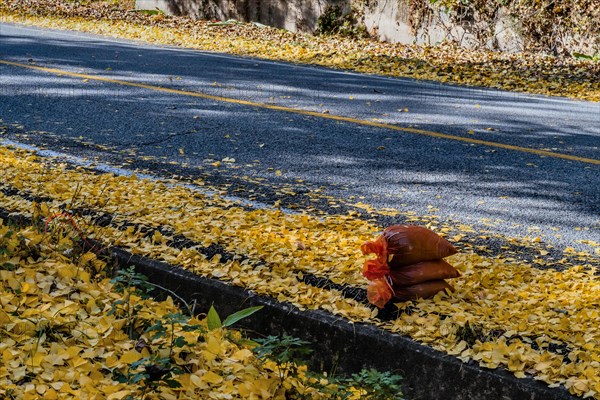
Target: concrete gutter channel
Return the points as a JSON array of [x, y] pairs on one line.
[[337, 343]]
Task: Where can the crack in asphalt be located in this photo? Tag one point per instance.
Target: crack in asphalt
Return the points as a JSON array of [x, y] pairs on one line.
[[163, 140]]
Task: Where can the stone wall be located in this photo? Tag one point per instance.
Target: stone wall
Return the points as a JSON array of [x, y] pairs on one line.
[[388, 20]]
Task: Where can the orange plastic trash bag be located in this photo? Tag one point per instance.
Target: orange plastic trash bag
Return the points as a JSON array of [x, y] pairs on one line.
[[379, 292], [423, 290], [423, 272], [374, 269], [401, 245]]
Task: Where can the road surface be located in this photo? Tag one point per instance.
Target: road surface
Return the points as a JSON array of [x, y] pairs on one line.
[[528, 165]]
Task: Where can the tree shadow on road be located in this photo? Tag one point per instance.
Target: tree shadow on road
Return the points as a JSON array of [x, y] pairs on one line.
[[372, 162]]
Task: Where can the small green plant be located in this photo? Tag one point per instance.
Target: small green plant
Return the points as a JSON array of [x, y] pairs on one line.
[[581, 56], [132, 285], [368, 384], [128, 279], [160, 329], [163, 366], [287, 352], [376, 385], [160, 367], [150, 371], [214, 321]]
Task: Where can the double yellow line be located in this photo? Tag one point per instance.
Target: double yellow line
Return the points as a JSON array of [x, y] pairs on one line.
[[542, 153]]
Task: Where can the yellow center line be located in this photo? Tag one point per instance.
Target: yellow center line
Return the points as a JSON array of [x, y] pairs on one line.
[[543, 153]]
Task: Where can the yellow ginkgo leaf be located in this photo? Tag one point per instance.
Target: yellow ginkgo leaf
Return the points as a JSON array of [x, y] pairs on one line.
[[212, 378], [121, 394], [130, 356], [4, 317]]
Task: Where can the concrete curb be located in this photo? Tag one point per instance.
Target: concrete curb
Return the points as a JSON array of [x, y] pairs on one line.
[[338, 344], [346, 347]]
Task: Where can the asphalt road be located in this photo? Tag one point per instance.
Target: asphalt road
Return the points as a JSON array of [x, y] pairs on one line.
[[455, 165]]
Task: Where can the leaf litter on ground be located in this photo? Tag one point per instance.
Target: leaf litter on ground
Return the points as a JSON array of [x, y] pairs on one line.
[[68, 331], [504, 313]]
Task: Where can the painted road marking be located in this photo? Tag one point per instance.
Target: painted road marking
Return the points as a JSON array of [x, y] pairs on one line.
[[543, 153]]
